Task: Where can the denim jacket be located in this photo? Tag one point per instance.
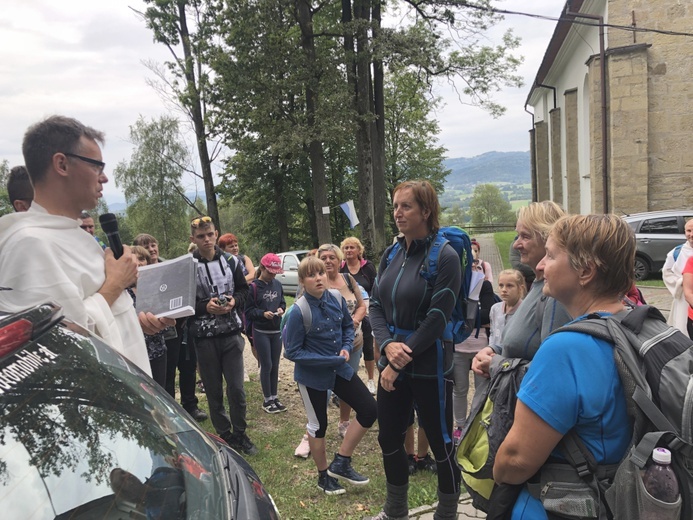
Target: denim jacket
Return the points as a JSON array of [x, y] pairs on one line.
[[316, 354]]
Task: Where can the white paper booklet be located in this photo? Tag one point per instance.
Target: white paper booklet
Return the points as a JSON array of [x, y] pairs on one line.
[[167, 289]]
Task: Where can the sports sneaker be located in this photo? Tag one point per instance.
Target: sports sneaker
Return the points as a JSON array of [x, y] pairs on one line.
[[371, 386], [343, 427], [270, 407], [330, 485], [457, 435], [241, 442], [341, 469], [335, 400], [279, 406], [303, 449], [411, 462], [383, 516], [426, 464]]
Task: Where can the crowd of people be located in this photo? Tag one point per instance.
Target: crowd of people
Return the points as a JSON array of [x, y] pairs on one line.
[[569, 267]]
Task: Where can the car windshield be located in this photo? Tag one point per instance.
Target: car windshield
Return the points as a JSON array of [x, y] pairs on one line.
[[84, 435]]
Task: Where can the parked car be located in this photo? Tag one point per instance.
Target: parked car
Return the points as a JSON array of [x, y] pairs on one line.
[[656, 233], [290, 261], [84, 434]]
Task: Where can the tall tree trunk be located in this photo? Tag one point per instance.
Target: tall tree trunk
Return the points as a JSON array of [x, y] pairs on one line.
[[364, 154], [194, 105], [378, 140], [315, 148], [281, 206]]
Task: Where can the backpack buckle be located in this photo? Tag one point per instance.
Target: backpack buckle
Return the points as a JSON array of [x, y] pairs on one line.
[[583, 469]]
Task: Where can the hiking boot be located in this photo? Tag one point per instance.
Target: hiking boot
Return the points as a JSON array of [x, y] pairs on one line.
[[426, 464], [329, 485], [199, 415], [383, 516], [303, 449], [342, 428], [279, 406], [411, 463], [371, 386], [270, 407], [240, 442], [341, 469]]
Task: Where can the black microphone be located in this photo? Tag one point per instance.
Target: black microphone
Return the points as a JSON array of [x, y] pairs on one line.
[[109, 224]]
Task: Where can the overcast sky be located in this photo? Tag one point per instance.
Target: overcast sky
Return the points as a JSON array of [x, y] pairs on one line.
[[83, 58]]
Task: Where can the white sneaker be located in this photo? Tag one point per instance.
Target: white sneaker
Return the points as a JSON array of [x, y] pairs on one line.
[[303, 449], [371, 386], [343, 426]]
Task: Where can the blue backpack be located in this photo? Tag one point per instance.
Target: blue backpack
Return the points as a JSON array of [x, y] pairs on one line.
[[458, 238]]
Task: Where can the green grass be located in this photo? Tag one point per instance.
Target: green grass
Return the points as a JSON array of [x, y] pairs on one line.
[[503, 240], [655, 280]]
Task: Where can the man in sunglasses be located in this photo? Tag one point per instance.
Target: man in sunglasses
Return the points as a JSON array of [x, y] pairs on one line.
[[221, 294], [45, 256]]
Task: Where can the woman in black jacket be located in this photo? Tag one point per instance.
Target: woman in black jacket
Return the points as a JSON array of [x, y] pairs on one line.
[[409, 314]]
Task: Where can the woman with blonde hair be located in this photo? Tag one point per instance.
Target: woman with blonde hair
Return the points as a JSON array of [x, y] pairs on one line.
[[364, 273], [572, 383], [539, 314]]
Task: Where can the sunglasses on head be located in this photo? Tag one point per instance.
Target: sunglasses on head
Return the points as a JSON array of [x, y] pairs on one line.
[[201, 220]]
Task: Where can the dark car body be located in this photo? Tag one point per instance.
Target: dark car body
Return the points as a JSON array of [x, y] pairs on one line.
[[656, 233], [290, 261], [74, 414]]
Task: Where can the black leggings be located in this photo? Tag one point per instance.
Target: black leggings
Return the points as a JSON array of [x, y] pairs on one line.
[[368, 354], [435, 417], [352, 392]]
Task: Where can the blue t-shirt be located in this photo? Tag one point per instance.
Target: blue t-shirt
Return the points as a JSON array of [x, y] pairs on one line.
[[573, 382]]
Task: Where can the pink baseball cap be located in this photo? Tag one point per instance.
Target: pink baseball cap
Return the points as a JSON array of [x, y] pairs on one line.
[[272, 263]]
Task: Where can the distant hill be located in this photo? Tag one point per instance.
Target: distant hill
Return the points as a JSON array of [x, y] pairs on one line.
[[490, 167]]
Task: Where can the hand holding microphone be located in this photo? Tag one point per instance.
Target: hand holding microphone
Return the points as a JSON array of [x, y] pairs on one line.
[[109, 224], [120, 265]]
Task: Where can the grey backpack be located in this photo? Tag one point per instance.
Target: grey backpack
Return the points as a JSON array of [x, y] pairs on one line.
[[655, 365]]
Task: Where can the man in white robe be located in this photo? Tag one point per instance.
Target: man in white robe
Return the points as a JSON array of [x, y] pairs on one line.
[[45, 256], [672, 274]]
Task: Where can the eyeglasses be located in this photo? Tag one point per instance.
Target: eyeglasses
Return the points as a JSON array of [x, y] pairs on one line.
[[196, 222], [101, 165]]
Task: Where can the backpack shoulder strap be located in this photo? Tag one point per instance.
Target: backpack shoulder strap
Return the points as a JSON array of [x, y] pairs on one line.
[[433, 256], [677, 251], [347, 281], [231, 260], [307, 316], [394, 249]]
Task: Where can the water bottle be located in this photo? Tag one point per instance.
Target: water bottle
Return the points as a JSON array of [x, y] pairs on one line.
[[660, 479]]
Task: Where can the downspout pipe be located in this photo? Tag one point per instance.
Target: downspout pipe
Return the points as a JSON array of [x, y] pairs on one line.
[[533, 158], [602, 71]]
